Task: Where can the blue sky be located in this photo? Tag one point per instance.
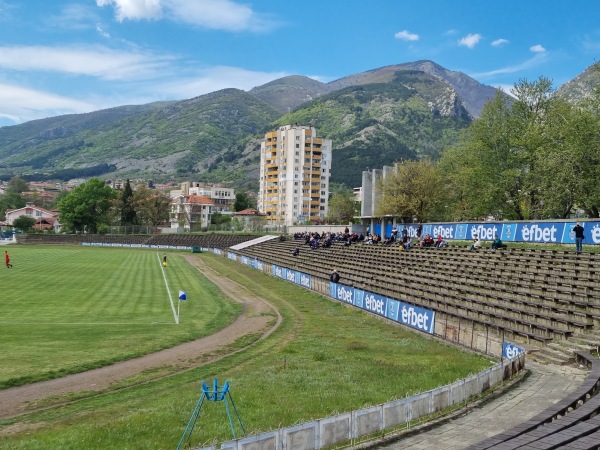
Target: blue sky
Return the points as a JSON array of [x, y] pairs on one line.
[[61, 57]]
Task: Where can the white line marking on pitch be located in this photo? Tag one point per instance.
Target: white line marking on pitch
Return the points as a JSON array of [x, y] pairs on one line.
[[168, 290]]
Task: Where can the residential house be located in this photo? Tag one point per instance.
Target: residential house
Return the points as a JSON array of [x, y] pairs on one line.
[[191, 212], [44, 219]]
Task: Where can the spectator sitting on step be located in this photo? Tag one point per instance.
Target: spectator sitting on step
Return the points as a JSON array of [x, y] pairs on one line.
[[296, 251], [498, 244], [476, 244], [334, 277], [408, 244], [427, 241], [440, 242]]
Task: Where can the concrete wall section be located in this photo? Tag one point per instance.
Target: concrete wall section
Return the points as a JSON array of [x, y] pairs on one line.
[[420, 406], [396, 413], [301, 437], [265, 441], [367, 421], [334, 430]]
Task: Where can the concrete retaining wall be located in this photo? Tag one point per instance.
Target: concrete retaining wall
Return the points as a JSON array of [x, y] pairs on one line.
[[345, 427]]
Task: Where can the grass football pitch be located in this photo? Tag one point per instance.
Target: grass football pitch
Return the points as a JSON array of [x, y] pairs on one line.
[[324, 358], [69, 309]]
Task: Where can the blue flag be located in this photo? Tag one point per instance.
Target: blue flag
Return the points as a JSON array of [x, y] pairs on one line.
[[182, 295]]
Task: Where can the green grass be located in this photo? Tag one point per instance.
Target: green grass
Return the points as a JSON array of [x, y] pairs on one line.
[[69, 309], [325, 358]]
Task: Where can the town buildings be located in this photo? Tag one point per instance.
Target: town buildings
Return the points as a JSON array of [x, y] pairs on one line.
[[44, 219], [193, 205], [295, 166]]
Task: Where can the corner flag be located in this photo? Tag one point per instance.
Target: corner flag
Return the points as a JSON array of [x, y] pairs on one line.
[[182, 295]]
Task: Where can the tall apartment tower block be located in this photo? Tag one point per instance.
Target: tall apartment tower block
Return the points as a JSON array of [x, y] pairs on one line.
[[295, 166]]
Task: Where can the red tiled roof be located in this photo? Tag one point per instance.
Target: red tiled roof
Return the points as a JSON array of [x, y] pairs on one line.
[[249, 212], [195, 199], [36, 208]]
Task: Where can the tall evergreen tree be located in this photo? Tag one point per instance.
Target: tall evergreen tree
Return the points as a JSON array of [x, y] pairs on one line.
[[128, 213]]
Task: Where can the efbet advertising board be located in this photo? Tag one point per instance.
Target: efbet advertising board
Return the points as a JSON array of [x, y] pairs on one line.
[[293, 276], [536, 232], [412, 316], [509, 350]]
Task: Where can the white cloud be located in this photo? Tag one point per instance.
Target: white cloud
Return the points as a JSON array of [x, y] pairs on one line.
[[590, 43], [506, 88], [470, 40], [19, 104], [5, 10], [499, 42], [212, 14], [101, 31], [538, 59], [537, 49], [134, 9], [98, 61], [74, 17], [215, 78], [405, 35]]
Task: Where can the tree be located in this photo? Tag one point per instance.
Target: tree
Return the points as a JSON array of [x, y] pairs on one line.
[[219, 219], [24, 223], [86, 207], [483, 175], [151, 207], [10, 200], [243, 201], [341, 208], [411, 191], [495, 170], [128, 213], [18, 185]]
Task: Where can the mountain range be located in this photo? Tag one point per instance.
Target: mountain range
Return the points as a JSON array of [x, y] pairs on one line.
[[374, 118]]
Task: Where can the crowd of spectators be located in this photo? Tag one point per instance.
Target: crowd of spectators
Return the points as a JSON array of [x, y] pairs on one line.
[[400, 237], [326, 239]]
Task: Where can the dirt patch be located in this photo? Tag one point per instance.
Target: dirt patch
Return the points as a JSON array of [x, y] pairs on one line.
[[256, 319]]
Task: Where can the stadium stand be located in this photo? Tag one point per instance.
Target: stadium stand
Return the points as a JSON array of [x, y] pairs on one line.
[[537, 295]]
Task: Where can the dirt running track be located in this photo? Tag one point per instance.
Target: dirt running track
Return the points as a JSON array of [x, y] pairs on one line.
[[255, 319]]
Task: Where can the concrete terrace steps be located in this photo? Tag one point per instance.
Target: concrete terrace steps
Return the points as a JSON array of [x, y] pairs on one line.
[[540, 295], [570, 423]]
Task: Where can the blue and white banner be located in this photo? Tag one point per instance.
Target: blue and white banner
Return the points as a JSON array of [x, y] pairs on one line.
[[375, 303], [536, 232], [293, 276], [509, 350], [410, 315], [413, 316], [113, 244]]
